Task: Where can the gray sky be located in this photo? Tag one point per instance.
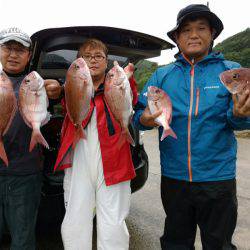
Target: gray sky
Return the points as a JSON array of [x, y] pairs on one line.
[[152, 17]]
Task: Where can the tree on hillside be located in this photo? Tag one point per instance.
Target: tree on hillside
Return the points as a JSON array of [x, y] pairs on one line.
[[144, 70], [237, 48]]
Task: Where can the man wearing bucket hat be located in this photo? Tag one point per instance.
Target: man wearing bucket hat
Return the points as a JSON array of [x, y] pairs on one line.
[[198, 185], [20, 182]]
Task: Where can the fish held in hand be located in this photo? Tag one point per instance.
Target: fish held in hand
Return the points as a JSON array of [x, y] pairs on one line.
[[129, 70], [237, 81], [79, 90], [8, 107], [33, 104], [118, 95], [159, 100]]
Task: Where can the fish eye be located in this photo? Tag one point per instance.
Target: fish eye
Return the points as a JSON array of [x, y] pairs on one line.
[[236, 75], [77, 66], [27, 81]]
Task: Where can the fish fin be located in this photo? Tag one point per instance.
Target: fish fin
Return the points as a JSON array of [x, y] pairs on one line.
[[122, 87], [22, 113], [46, 120], [129, 70], [79, 133], [93, 93], [3, 155], [168, 132], [128, 136], [37, 137], [21, 106], [130, 139], [12, 116]]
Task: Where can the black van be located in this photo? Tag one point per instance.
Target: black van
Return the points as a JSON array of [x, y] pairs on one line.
[[53, 52]]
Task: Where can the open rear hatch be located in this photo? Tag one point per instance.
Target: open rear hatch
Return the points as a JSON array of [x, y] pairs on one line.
[[54, 49]]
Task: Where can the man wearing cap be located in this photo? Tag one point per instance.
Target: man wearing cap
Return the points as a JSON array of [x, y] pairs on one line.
[[20, 182], [198, 185]]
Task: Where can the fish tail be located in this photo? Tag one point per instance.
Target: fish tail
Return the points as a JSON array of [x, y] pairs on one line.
[[167, 132], [79, 133], [130, 139], [37, 137], [3, 155], [128, 136]]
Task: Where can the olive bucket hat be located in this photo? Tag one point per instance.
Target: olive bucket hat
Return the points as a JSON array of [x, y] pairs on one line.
[[197, 10]]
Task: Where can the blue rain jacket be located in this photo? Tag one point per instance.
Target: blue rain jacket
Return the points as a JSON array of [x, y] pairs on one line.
[[203, 121]]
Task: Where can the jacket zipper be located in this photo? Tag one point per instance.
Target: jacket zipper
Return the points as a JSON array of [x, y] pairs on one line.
[[190, 120], [197, 101], [190, 114]]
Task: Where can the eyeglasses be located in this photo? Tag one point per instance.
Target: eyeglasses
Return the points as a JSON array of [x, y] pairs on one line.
[[97, 58], [18, 50]]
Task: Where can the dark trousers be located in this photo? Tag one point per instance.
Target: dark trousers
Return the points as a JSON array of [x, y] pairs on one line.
[[19, 202], [210, 205]]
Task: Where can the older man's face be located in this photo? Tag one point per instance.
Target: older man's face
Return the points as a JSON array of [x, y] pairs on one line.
[[194, 38], [14, 57]]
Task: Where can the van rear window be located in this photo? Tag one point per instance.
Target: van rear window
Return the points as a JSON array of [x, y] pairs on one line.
[[61, 59]]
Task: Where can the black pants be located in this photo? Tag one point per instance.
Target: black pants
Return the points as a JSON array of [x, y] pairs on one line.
[[19, 202], [210, 205]]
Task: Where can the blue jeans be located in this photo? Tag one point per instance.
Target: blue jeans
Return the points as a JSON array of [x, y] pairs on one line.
[[19, 202]]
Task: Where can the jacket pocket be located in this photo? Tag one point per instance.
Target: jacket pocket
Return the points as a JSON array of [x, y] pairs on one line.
[[214, 100]]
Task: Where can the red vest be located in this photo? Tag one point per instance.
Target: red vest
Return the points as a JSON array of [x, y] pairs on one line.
[[117, 160]]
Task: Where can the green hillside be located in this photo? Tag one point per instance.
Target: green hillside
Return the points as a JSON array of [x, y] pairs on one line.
[[144, 70], [237, 48]]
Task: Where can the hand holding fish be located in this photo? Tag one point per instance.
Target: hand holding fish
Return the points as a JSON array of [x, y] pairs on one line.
[[148, 119], [158, 100], [241, 104], [237, 81], [53, 88]]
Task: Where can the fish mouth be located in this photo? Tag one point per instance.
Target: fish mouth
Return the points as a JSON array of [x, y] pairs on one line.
[[223, 79]]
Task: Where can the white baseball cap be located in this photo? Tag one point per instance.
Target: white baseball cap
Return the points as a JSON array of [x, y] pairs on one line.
[[15, 34]]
